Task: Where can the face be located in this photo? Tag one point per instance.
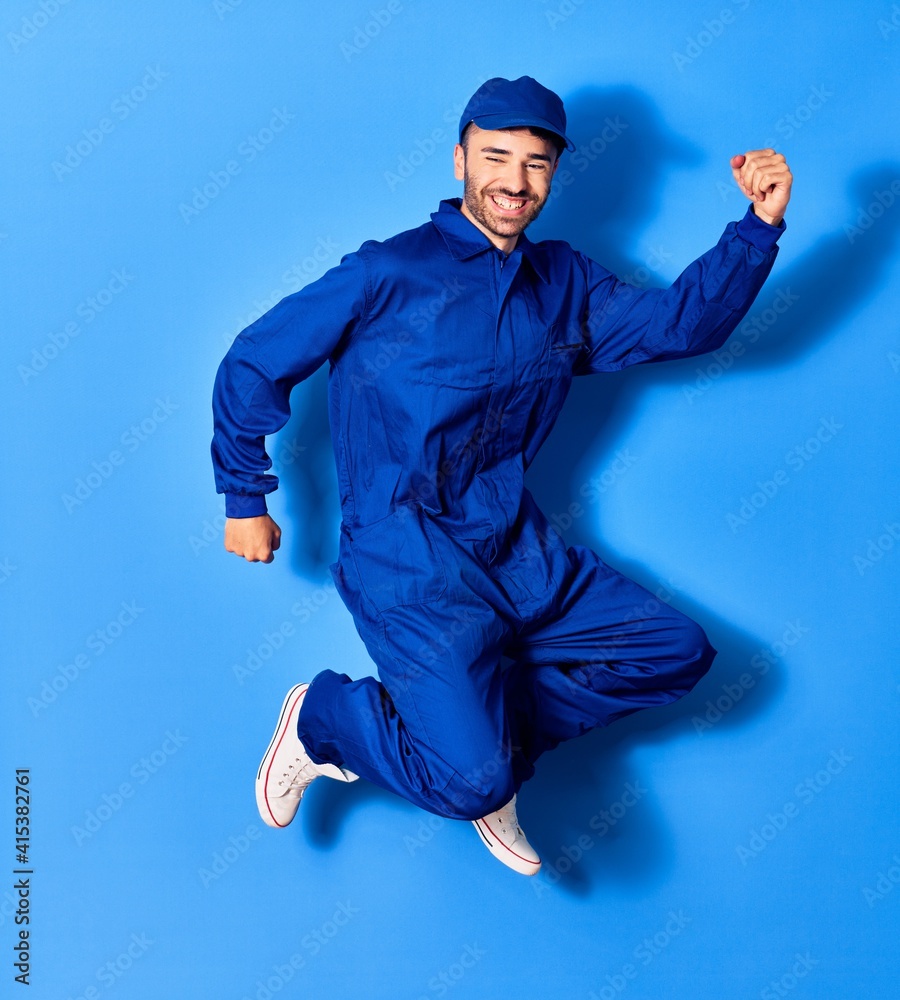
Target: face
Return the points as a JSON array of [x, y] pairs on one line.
[[507, 176]]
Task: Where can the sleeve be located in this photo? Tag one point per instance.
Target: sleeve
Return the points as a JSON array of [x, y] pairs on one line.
[[253, 383], [624, 325]]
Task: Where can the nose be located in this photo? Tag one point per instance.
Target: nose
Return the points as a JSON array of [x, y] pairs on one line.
[[515, 180]]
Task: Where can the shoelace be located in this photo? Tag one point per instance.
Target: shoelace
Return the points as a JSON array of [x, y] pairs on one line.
[[508, 821], [302, 775]]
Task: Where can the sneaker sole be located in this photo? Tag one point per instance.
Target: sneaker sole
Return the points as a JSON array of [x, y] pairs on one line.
[[505, 855], [262, 775]]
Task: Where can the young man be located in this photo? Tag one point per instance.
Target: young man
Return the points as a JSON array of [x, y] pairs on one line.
[[451, 349]]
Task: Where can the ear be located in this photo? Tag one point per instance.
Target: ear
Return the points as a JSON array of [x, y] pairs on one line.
[[459, 162]]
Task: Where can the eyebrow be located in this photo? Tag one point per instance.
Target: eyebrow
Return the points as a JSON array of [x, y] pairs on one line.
[[507, 152]]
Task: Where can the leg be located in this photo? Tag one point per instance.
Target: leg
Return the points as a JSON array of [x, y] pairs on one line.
[[433, 729], [609, 648]]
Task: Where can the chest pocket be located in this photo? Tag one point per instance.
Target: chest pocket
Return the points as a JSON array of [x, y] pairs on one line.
[[565, 349]]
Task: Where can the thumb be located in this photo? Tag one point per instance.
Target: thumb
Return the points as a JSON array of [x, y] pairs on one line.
[[737, 161]]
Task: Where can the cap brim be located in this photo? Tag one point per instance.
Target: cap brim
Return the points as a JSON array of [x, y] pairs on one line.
[[511, 119]]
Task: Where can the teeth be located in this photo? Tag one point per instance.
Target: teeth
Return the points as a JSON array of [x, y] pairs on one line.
[[506, 203]]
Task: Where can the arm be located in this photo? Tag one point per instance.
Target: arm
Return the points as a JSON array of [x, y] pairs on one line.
[[698, 312], [252, 390]]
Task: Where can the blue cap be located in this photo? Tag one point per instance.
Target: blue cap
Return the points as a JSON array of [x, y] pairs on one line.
[[500, 103]]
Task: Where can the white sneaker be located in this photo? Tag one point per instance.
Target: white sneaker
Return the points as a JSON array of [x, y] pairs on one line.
[[504, 838], [287, 770]]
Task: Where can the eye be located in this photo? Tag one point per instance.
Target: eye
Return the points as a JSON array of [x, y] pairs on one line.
[[496, 159]]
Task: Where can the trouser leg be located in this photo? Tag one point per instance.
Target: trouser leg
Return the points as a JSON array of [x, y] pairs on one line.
[[450, 732], [608, 649], [433, 728]]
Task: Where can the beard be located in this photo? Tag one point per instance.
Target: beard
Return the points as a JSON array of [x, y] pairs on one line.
[[482, 208]]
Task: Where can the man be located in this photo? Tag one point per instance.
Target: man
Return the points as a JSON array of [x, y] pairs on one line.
[[451, 349]]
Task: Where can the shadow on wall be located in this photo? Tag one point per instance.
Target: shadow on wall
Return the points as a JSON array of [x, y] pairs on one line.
[[624, 154], [304, 461], [610, 197]]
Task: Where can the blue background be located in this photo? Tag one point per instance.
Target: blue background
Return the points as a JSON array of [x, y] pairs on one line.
[[755, 848]]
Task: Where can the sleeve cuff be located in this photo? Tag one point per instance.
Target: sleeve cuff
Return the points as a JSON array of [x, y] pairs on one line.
[[759, 233], [243, 505]]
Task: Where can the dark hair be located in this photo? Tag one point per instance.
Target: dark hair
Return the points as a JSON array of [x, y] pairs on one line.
[[541, 133]]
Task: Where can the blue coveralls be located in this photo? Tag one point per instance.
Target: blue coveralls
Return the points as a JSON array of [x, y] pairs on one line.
[[449, 362]]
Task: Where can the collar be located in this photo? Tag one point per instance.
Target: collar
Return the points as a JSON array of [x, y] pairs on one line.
[[464, 239]]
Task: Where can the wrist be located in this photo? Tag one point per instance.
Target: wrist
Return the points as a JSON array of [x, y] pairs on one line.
[[772, 220]]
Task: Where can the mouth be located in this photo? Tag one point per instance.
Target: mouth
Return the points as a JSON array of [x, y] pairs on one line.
[[509, 206]]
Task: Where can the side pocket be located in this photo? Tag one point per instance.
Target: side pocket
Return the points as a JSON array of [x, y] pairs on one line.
[[396, 560]]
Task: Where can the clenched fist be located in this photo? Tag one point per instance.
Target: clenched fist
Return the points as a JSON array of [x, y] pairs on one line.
[[254, 538], [765, 178]]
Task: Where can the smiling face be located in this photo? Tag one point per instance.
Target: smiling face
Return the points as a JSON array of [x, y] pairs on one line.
[[507, 175]]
